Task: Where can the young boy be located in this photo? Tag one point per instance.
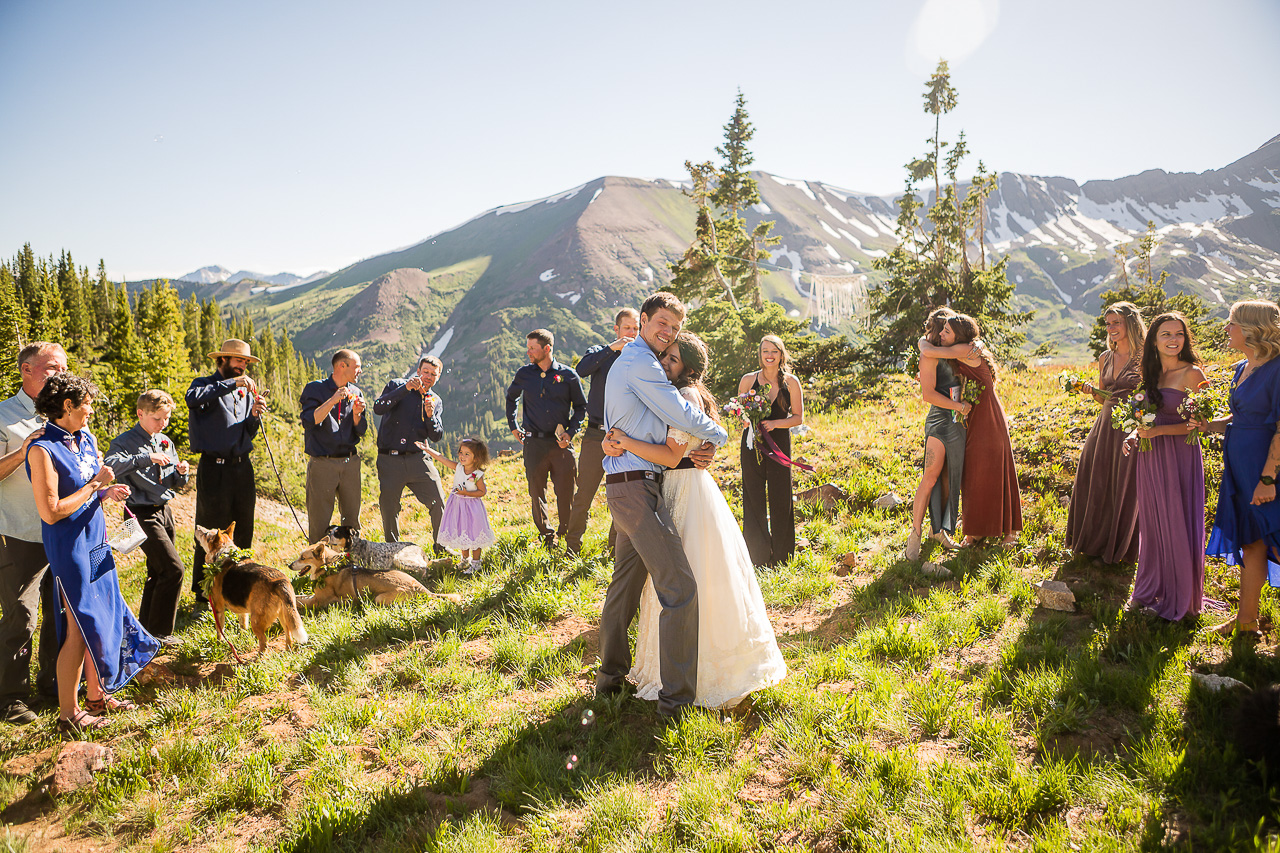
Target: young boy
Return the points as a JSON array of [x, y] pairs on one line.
[[145, 459]]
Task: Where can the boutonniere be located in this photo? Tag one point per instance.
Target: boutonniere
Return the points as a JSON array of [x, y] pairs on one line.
[[240, 393], [164, 444], [559, 378]]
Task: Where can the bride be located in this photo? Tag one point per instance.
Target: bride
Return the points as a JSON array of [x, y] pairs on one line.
[[737, 651]]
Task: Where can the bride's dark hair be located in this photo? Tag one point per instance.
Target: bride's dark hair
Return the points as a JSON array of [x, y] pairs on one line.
[[697, 360]]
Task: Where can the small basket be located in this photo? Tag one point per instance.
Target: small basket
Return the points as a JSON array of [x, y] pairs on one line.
[[130, 534]]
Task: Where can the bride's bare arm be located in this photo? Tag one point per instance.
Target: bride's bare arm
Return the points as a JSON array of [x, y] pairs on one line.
[[667, 455]]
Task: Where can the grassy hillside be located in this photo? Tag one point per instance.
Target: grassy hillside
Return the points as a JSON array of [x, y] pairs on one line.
[[919, 713]]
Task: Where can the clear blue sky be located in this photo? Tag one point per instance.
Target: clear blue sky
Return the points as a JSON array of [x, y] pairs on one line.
[[295, 136]]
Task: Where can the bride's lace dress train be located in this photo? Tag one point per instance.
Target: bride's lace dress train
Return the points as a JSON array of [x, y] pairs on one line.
[[737, 651]]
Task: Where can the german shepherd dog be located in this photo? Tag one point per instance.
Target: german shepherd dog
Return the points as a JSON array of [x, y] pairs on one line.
[[386, 585], [377, 556], [259, 594]]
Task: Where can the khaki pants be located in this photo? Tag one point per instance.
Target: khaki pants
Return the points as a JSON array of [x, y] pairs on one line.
[[327, 479]]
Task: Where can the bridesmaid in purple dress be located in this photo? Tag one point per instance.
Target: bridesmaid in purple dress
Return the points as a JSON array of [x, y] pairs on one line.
[[1103, 519], [1170, 576]]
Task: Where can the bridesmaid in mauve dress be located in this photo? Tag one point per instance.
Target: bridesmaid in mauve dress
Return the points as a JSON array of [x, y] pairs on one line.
[[1246, 528], [992, 504], [1170, 576], [1102, 520]]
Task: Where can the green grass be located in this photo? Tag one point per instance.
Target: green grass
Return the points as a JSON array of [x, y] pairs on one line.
[[918, 713]]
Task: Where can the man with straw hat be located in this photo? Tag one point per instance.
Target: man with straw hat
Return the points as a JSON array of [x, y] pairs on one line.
[[225, 415]]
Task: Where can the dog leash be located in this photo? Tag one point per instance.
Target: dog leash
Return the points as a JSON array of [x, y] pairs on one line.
[[271, 456]]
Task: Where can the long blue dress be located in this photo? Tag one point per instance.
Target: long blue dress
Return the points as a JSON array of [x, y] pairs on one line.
[[1255, 410], [118, 644]]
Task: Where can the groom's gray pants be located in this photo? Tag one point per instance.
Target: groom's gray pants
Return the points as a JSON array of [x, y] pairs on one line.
[[648, 545]]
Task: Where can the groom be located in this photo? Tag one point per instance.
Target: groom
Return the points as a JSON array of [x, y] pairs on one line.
[[642, 402]]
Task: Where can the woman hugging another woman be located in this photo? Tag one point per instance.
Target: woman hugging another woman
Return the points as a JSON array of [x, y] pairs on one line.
[[944, 437], [992, 502]]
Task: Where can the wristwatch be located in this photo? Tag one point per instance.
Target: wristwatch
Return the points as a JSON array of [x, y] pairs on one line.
[[1267, 481]]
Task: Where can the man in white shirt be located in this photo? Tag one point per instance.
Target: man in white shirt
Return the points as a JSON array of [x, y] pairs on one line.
[[23, 564]]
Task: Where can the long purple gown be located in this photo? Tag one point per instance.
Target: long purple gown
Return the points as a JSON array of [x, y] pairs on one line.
[[1103, 519], [1170, 576]]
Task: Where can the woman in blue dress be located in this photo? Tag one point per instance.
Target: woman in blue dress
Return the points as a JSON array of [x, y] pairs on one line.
[[1246, 530], [102, 638]]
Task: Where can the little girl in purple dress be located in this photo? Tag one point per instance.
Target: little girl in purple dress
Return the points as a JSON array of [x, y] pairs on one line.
[[465, 524]]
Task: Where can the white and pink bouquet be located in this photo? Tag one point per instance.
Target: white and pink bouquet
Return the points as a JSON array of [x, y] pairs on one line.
[[752, 407], [1135, 413]]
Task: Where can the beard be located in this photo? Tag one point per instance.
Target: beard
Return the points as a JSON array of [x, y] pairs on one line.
[[230, 372]]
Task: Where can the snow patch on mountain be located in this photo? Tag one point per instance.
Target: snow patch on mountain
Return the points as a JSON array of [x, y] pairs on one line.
[[800, 185], [547, 275], [440, 345], [792, 258]]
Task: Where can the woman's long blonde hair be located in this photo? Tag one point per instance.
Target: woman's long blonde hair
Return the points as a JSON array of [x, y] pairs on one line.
[[1259, 322], [1134, 329]]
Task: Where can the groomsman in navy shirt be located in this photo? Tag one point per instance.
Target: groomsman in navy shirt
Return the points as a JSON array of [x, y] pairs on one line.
[[333, 423], [410, 413], [225, 414], [595, 363], [549, 390]]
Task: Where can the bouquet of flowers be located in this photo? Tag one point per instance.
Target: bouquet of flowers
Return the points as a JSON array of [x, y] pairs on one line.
[[1203, 405], [1073, 383], [971, 393], [1134, 413], [753, 406]]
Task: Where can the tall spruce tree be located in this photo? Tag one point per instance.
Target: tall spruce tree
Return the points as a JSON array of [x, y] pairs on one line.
[[723, 262], [931, 265]]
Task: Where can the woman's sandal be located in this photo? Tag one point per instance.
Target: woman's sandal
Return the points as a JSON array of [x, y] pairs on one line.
[[943, 539], [79, 723], [108, 705], [1233, 628]]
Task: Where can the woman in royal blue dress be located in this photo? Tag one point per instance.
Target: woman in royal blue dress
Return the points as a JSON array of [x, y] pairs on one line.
[[1246, 529], [97, 633], [1170, 476]]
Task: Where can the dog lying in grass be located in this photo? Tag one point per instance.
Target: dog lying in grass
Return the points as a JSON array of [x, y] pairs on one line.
[[377, 556], [387, 585], [260, 595]]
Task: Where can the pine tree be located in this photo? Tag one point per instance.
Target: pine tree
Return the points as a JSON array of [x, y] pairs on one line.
[[723, 260], [166, 361], [931, 265], [13, 332]]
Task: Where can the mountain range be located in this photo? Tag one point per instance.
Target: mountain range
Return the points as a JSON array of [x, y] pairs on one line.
[[567, 262]]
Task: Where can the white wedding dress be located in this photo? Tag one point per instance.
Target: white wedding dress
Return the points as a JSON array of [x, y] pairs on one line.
[[737, 651]]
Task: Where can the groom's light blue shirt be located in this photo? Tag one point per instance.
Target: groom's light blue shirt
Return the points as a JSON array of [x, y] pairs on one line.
[[640, 400]]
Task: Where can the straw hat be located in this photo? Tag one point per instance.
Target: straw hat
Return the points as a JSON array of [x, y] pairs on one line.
[[235, 348]]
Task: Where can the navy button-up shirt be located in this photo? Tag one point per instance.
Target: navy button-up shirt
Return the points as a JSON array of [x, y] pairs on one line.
[[548, 397], [220, 421], [336, 435], [596, 363], [130, 458], [403, 421]]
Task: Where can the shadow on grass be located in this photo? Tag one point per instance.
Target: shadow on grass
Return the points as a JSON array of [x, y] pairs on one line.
[[580, 746]]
